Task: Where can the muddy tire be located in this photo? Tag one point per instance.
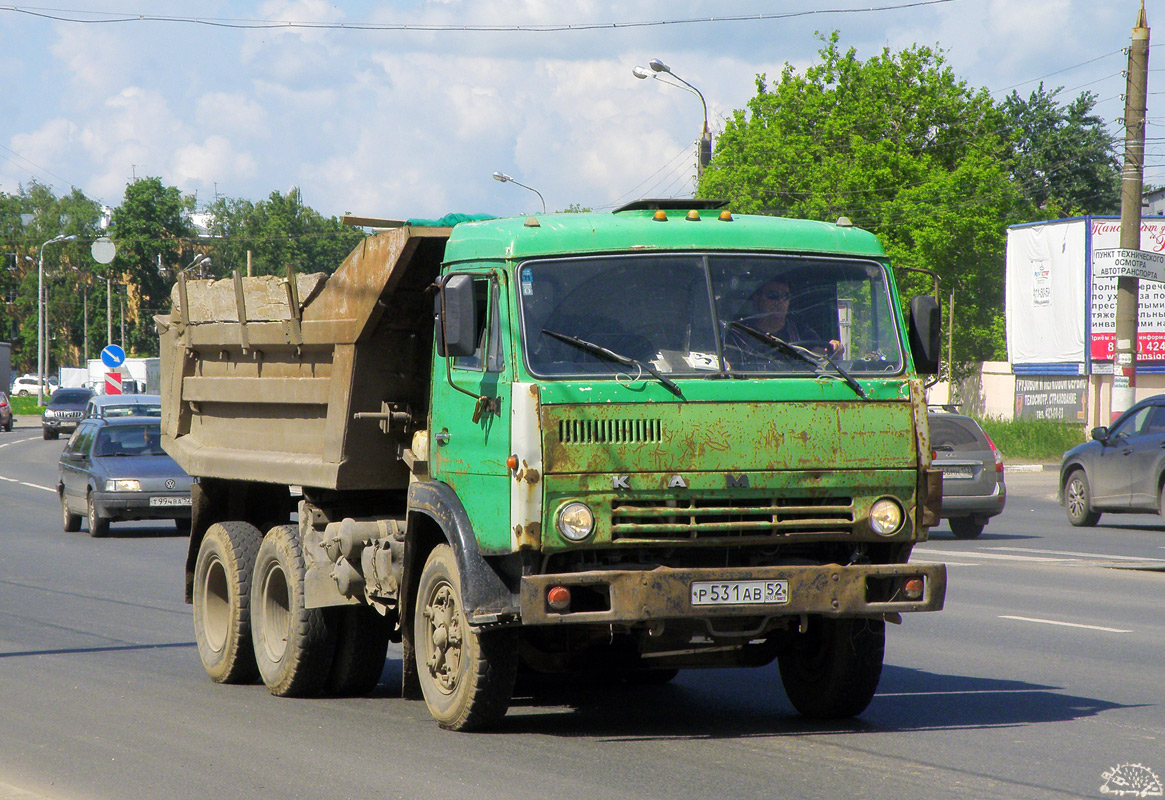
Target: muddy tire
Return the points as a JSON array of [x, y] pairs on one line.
[[1078, 501], [466, 674], [98, 525], [361, 648], [70, 522], [832, 670], [222, 601], [293, 644]]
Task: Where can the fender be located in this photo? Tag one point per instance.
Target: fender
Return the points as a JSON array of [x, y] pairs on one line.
[[485, 594]]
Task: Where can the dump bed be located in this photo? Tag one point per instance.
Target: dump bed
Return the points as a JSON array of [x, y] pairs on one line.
[[262, 377]]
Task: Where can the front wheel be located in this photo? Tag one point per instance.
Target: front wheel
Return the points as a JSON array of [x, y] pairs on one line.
[[293, 644], [222, 601], [1078, 501], [466, 674], [832, 670]]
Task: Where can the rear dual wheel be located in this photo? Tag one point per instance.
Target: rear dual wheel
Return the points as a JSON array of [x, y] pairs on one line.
[[222, 601]]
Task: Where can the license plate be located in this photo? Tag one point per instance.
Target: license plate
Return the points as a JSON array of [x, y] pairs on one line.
[[739, 593], [958, 473], [169, 501]]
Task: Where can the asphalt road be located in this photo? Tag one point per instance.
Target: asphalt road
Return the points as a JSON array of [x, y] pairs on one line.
[[1042, 676]]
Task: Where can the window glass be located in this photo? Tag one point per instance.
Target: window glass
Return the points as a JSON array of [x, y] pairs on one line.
[[693, 314], [481, 295], [1131, 424]]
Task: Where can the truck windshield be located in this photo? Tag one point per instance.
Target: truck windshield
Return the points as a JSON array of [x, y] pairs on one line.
[[707, 315]]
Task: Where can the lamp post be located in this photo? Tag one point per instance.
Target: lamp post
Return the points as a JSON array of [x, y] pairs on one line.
[[504, 178], [40, 317], [704, 155]]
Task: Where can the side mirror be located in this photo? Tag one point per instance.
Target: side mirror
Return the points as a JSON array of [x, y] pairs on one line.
[[1100, 434], [925, 334], [456, 317]]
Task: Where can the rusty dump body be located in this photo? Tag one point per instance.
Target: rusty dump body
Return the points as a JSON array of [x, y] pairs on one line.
[[273, 398], [568, 436]]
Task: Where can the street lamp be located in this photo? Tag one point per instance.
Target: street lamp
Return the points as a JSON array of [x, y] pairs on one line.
[[201, 261], [504, 178], [704, 156], [40, 317]]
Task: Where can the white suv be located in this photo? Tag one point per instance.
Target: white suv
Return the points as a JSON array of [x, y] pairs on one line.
[[26, 385]]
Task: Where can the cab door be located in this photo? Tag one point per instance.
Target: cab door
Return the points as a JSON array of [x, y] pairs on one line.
[[470, 419], [75, 463]]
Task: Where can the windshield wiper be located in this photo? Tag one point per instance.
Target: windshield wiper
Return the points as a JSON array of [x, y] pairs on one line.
[[611, 355], [808, 356]]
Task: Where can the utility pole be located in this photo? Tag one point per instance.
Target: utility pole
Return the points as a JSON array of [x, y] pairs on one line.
[[1124, 373]]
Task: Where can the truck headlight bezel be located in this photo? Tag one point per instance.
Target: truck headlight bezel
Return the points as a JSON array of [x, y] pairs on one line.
[[575, 521], [886, 516]]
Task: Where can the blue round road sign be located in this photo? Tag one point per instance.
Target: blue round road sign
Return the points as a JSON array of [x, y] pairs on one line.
[[112, 356]]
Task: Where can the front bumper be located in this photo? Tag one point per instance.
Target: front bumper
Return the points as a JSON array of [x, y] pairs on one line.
[[136, 505], [664, 593], [60, 425]]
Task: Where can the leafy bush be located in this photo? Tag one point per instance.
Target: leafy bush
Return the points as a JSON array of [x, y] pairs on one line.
[[1034, 440]]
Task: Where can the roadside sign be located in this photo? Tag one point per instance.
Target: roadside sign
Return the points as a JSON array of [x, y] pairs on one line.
[[113, 382], [112, 356], [1118, 263], [103, 250]]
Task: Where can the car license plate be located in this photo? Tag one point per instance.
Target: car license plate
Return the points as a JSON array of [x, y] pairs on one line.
[[958, 473], [739, 593], [169, 501]]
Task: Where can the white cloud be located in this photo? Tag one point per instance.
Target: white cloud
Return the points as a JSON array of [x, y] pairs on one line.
[[231, 113], [196, 165]]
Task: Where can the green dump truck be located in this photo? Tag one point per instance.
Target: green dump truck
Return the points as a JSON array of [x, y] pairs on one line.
[[606, 444]]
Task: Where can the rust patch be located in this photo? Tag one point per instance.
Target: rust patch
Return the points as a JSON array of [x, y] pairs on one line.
[[528, 474], [528, 537]]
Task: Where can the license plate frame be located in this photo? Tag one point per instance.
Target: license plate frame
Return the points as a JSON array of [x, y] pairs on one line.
[[751, 592], [169, 502], [960, 472]]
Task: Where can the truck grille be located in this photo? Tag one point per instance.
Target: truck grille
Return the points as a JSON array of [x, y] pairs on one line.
[[610, 431], [671, 519]]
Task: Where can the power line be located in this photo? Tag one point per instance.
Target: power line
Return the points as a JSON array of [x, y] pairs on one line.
[[112, 17]]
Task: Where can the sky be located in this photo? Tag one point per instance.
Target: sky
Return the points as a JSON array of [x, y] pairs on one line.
[[405, 108]]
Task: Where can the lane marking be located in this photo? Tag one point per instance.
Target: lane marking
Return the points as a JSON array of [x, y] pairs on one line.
[[915, 558], [25, 483], [992, 556], [1064, 624], [1101, 556]]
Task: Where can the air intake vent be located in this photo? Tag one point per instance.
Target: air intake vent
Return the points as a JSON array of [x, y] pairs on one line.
[[610, 431]]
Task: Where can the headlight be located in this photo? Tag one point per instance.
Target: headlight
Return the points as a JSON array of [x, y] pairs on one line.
[[885, 516], [123, 486], [49, 413], [575, 521]]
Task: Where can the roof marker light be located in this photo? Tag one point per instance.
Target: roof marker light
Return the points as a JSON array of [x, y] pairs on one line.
[[726, 216], [693, 216], [660, 215]]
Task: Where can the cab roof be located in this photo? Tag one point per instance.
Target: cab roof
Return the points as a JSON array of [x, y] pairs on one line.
[[654, 225]]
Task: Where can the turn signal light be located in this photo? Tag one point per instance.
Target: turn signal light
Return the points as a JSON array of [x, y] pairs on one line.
[[512, 462], [558, 598], [912, 588]]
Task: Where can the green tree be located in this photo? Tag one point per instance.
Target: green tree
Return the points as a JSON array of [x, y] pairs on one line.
[[903, 148], [152, 231], [1061, 155], [278, 232], [28, 219]]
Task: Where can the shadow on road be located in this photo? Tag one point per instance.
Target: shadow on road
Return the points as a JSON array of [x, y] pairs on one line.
[[735, 703]]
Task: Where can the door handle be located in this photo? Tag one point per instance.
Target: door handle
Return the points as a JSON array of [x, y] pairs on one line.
[[442, 437]]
